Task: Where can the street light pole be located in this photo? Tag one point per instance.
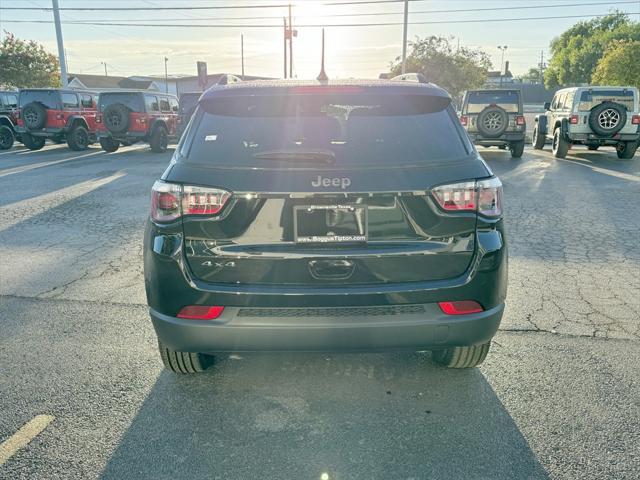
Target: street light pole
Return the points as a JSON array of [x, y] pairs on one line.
[[242, 53], [105, 68], [166, 76], [290, 45], [404, 36], [502, 48], [61, 53]]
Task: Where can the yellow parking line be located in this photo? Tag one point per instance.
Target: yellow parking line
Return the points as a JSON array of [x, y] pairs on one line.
[[22, 437]]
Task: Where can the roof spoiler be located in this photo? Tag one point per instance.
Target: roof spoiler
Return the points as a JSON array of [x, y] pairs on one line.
[[411, 77], [227, 79]]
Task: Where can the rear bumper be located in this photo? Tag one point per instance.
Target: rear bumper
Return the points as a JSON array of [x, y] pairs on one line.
[[238, 330], [503, 139], [128, 136], [592, 138]]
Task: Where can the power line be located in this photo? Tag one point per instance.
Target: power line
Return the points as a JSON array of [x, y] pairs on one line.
[[372, 14], [335, 25]]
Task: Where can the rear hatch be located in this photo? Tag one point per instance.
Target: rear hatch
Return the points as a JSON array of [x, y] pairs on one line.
[[476, 102], [325, 187], [49, 99]]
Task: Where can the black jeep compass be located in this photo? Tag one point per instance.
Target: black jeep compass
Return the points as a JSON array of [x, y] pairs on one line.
[[325, 216]]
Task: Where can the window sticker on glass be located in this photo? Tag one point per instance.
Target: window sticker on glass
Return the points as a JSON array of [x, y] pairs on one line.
[[210, 138]]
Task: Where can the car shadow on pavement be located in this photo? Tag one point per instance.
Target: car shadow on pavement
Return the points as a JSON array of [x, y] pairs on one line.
[[301, 416]]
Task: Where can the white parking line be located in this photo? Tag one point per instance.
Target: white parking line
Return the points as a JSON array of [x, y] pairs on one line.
[[581, 162], [22, 437], [32, 166]]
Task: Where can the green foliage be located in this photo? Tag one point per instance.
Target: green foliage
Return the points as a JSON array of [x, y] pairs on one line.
[[620, 65], [533, 75], [576, 53], [454, 69], [26, 64]]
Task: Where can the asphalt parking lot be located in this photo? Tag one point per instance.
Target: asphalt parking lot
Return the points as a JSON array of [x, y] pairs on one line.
[[558, 397]]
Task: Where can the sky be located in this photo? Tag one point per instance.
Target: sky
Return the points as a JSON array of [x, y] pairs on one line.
[[351, 51]]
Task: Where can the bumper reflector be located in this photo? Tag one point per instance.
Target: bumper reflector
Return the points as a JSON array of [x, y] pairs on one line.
[[463, 307], [200, 312]]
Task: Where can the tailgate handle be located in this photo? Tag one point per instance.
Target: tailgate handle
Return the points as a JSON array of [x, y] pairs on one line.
[[331, 269]]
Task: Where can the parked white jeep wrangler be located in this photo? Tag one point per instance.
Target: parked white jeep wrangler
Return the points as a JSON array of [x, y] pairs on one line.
[[591, 116]]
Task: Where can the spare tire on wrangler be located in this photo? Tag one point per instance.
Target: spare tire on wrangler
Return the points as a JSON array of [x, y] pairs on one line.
[[607, 119], [492, 121], [116, 118], [34, 116]]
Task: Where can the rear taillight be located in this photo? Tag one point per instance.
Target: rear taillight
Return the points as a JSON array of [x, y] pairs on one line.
[[169, 201], [520, 120], [463, 307], [200, 312], [98, 118], [141, 120], [483, 196], [165, 201], [17, 113], [574, 119], [457, 196], [203, 201], [464, 120], [635, 120], [59, 116]]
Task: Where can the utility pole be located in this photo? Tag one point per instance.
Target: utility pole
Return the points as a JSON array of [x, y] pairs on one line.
[[290, 45], [166, 76], [61, 54], [285, 46], [542, 67], [242, 53], [404, 37], [105, 68]]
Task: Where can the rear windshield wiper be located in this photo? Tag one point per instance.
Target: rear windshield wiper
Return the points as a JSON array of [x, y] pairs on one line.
[[297, 155]]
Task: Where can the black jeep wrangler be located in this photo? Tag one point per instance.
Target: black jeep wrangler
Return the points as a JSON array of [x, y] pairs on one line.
[[494, 118]]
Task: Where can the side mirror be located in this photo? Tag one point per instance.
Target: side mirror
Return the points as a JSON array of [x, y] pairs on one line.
[[547, 106]]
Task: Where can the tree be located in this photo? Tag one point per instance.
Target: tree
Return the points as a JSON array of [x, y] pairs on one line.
[[578, 50], [533, 76], [26, 64], [454, 69], [619, 65]]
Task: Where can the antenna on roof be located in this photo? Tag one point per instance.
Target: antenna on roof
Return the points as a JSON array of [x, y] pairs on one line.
[[322, 76]]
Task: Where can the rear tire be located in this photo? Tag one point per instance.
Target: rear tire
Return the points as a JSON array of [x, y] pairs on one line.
[[626, 150], [517, 149], [537, 139], [6, 137], [462, 357], [183, 362], [31, 142], [108, 144], [159, 140], [560, 145], [78, 138]]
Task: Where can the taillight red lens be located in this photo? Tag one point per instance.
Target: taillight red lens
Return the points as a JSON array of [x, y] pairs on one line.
[[463, 307], [520, 120], [635, 120], [17, 113], [169, 201], [165, 202], [98, 118], [464, 120], [573, 120], [200, 312], [457, 196], [59, 116], [483, 196], [203, 201]]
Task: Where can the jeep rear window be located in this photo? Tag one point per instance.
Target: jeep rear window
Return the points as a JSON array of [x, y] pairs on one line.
[[48, 98], [357, 130], [591, 98], [131, 100], [478, 101]]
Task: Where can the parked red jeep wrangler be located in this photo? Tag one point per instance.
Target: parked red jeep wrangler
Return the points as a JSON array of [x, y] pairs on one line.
[[8, 119], [129, 117], [58, 114]]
